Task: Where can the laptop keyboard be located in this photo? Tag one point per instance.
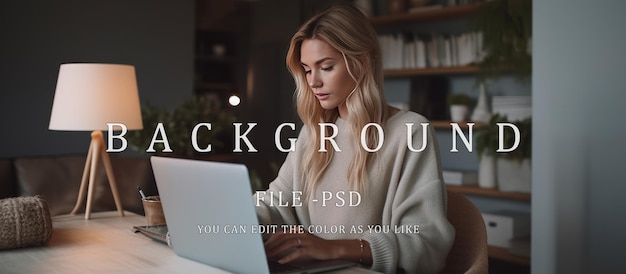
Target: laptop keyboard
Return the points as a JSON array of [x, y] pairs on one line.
[[278, 267]]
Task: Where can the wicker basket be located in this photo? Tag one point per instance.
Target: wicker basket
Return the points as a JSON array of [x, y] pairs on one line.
[[24, 221]]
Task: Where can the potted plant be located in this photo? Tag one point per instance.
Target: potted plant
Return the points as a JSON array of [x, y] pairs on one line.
[[459, 106], [506, 28], [514, 167], [486, 146], [511, 170], [178, 125]]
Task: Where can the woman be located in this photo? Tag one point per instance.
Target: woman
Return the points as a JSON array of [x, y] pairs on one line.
[[366, 197]]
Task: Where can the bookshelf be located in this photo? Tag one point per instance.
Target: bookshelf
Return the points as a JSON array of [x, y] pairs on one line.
[[216, 63], [431, 15], [426, 16], [216, 86], [490, 192], [440, 124], [406, 21], [431, 71], [495, 252], [458, 70], [504, 255]]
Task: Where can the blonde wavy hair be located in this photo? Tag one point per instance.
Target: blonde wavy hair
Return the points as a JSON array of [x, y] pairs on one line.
[[348, 31]]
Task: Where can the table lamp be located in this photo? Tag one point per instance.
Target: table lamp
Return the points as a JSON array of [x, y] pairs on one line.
[[87, 97]]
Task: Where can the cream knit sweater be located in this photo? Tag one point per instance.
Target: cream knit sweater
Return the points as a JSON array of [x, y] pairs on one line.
[[401, 213]]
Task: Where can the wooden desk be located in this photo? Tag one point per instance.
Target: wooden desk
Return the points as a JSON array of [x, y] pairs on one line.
[[104, 244]]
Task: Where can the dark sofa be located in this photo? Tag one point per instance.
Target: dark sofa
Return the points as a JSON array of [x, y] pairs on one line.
[[57, 180]]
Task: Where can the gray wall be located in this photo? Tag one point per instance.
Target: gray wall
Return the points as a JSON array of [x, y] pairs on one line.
[[579, 98], [37, 36], [270, 88]]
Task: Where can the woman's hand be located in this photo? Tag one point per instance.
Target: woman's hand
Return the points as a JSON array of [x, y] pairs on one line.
[[301, 245], [288, 247]]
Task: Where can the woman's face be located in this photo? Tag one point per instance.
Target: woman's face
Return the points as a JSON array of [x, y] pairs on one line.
[[326, 74]]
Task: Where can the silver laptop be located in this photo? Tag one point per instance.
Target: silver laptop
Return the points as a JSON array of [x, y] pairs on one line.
[[210, 217]]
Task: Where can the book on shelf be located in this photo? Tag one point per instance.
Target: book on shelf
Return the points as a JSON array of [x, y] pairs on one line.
[[425, 5], [460, 177], [417, 51], [424, 8], [515, 108], [450, 3]]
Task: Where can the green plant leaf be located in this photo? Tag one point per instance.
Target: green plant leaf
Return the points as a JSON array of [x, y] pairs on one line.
[[487, 139], [179, 124], [506, 27]]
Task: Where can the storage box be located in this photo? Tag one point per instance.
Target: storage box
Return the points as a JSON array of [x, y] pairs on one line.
[[460, 177], [513, 175], [503, 226]]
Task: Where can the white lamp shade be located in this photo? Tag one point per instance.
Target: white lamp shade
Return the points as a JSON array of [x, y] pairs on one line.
[[88, 96]]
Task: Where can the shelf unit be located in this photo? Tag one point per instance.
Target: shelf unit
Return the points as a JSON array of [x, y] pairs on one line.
[[214, 64], [504, 255], [495, 252], [440, 124], [216, 86], [441, 14], [490, 192], [426, 16], [431, 71], [431, 15]]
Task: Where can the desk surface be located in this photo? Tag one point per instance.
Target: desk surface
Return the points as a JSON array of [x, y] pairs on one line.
[[104, 244]]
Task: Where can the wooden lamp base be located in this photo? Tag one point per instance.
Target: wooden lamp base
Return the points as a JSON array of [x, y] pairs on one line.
[[96, 152]]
